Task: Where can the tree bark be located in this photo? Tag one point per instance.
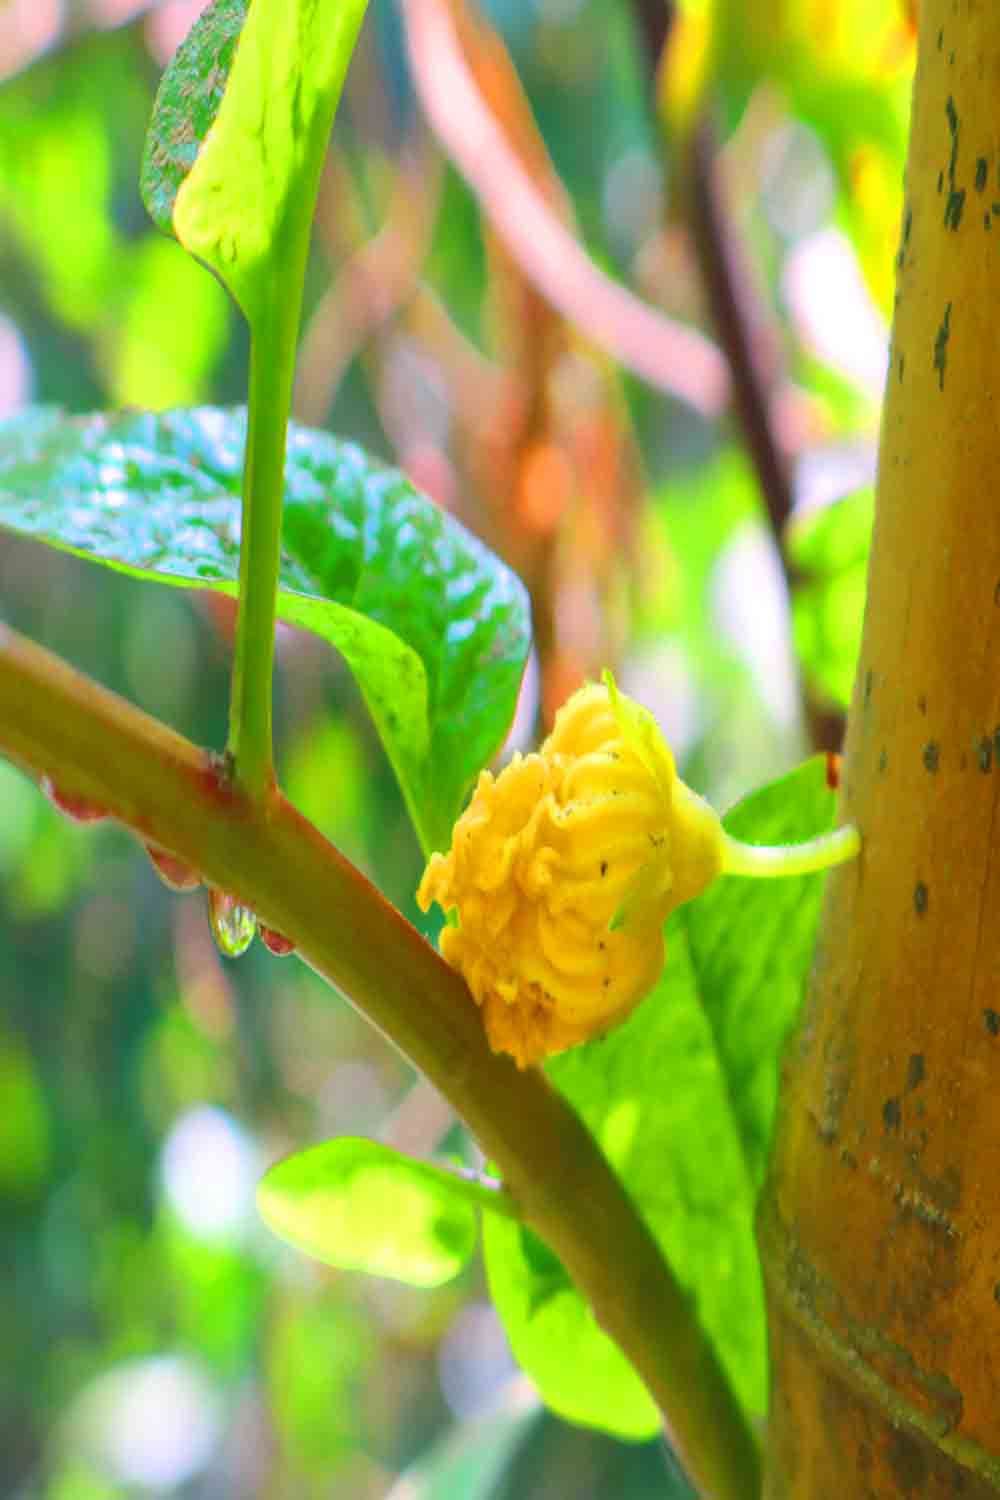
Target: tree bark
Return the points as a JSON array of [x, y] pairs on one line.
[[880, 1229]]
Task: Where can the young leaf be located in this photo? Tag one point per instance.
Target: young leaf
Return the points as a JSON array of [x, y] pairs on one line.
[[682, 1100], [434, 627], [359, 1205], [239, 132]]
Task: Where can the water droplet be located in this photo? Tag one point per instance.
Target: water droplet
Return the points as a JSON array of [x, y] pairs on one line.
[[276, 942], [175, 874], [233, 926], [77, 808]]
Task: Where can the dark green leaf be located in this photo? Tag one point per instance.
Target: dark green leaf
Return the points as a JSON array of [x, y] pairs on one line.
[[186, 105], [435, 628], [751, 944], [681, 1098], [359, 1205]]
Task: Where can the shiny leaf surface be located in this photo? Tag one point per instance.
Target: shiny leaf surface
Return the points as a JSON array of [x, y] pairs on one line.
[[434, 627]]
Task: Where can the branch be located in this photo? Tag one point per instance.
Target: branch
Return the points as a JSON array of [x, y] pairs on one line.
[[747, 335], [653, 19], [750, 338], [96, 747], [880, 1232], [745, 332], [676, 359]]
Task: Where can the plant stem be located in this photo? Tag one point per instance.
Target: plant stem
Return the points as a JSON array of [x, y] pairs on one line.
[[766, 861], [97, 747], [880, 1226], [272, 369], [245, 209]]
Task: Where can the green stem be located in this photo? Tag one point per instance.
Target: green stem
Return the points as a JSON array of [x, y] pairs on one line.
[[767, 861], [98, 748], [245, 208], [272, 369]]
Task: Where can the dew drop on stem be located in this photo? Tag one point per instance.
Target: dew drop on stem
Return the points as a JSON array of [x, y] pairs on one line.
[[276, 942], [77, 808], [233, 926], [175, 874]]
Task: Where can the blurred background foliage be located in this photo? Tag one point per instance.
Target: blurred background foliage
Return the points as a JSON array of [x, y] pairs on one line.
[[156, 1339]]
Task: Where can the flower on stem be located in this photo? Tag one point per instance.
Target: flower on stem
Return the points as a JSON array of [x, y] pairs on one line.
[[563, 869]]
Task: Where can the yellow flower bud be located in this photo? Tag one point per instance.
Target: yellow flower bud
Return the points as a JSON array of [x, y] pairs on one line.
[[562, 870]]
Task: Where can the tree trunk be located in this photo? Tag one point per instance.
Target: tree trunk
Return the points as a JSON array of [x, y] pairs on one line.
[[881, 1227]]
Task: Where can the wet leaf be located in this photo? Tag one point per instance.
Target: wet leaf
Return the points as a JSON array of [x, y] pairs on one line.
[[434, 627]]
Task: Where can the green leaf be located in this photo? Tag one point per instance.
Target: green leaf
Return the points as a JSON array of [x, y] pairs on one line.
[[434, 627], [654, 1096], [681, 1099], [830, 549], [580, 1373], [468, 1463], [751, 945], [239, 131], [359, 1205]]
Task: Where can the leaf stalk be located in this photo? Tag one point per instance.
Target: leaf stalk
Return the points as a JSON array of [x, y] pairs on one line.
[[763, 861], [272, 370]]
